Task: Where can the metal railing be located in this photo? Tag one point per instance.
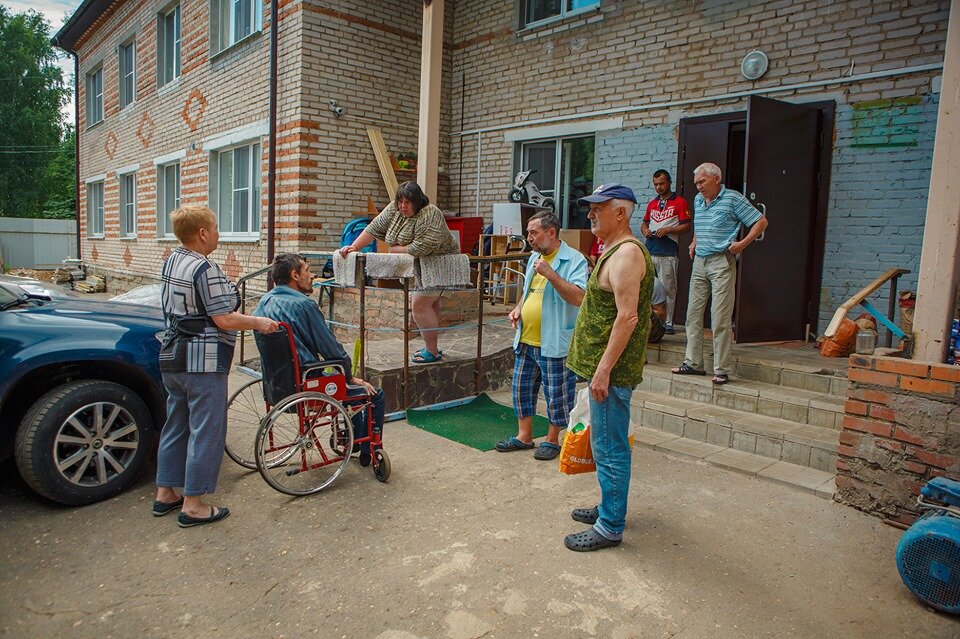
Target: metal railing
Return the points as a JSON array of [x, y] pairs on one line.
[[485, 292]]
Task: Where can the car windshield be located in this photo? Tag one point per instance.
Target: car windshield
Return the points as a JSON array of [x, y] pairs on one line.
[[9, 298]]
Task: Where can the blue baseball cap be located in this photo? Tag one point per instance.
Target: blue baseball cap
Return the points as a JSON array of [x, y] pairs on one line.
[[606, 192]]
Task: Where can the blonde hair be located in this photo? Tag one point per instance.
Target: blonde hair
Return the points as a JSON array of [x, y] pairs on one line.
[[188, 220]]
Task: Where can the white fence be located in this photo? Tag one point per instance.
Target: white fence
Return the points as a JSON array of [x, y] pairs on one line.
[[40, 244]]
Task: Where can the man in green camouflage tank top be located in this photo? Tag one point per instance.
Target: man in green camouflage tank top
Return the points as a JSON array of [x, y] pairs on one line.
[[609, 349]]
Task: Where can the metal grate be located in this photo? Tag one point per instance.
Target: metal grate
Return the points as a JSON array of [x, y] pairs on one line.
[[931, 568]]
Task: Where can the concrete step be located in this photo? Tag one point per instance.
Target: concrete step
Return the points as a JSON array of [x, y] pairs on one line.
[[795, 369], [762, 398], [819, 482], [727, 428]]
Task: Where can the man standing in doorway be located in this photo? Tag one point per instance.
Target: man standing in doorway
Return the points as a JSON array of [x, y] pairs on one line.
[[544, 318], [666, 219], [609, 350], [718, 213]]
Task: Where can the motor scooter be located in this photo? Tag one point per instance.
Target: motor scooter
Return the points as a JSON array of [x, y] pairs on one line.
[[525, 191]]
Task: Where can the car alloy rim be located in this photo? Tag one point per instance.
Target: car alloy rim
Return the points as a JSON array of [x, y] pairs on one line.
[[96, 444]]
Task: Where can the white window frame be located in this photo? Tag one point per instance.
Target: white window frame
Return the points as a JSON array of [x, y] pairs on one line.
[[124, 74], [252, 192], [94, 96], [565, 12], [127, 188], [229, 15], [95, 208], [163, 37], [553, 190], [164, 228]]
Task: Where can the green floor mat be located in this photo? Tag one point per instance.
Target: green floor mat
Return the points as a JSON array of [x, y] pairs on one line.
[[480, 423]]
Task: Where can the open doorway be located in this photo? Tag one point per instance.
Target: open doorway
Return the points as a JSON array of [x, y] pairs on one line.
[[778, 155]]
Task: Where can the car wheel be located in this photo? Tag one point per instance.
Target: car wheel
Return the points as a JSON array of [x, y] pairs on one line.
[[84, 441]]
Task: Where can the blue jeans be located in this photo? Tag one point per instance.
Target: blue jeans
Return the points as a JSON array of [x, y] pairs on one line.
[[360, 419], [609, 425]]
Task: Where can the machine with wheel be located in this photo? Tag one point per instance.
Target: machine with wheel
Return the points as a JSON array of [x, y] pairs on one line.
[[294, 425], [928, 555], [525, 191]]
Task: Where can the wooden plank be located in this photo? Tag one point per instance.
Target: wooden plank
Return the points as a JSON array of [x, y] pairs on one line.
[[383, 160], [431, 75], [861, 295]]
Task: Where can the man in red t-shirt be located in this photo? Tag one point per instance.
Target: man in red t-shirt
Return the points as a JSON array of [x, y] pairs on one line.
[[667, 217]]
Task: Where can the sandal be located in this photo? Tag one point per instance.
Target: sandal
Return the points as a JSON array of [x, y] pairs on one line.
[[512, 444], [686, 369], [423, 356], [586, 515], [720, 380], [588, 540], [547, 451], [216, 514]]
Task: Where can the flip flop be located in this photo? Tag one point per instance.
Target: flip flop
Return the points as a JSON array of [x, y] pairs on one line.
[[216, 514], [161, 508], [547, 451], [588, 540], [512, 444], [686, 369], [720, 380], [426, 357]]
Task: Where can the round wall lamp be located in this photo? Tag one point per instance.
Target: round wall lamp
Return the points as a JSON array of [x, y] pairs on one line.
[[754, 65]]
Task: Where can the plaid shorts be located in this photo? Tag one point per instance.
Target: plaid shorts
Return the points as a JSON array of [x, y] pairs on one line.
[[559, 384]]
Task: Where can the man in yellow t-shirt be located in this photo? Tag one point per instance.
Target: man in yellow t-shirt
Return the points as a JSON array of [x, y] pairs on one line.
[[544, 317]]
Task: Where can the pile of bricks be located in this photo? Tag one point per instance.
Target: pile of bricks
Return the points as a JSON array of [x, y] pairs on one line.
[[901, 428]]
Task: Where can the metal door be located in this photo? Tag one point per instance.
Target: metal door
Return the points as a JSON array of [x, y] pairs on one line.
[[774, 279], [702, 139]]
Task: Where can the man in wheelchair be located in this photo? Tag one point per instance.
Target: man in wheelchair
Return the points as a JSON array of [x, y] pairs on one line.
[[289, 302]]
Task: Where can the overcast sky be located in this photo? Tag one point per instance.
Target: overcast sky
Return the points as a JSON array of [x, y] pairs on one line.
[[56, 12]]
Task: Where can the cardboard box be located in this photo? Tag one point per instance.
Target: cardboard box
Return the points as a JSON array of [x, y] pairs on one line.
[[580, 239]]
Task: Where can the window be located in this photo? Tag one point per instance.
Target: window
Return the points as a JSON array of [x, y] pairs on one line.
[[128, 205], [235, 193], [95, 209], [540, 10], [95, 96], [564, 171], [128, 81], [168, 46], [236, 19], [168, 196]]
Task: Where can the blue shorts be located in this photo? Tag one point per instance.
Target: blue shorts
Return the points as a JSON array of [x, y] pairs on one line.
[[559, 384]]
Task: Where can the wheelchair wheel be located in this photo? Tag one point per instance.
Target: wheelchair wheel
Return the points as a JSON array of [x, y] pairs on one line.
[[245, 410], [381, 465], [292, 448]]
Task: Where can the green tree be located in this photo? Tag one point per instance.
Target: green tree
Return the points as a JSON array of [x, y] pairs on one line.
[[58, 198], [32, 93]]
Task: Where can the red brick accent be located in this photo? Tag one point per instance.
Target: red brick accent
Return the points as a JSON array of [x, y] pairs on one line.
[[872, 377], [849, 437], [934, 459], [896, 447], [867, 426], [882, 412], [902, 367], [928, 386], [904, 435], [947, 373], [914, 467], [868, 395], [853, 407], [861, 361]]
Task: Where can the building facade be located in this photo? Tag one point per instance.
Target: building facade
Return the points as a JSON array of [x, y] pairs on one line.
[[174, 109]]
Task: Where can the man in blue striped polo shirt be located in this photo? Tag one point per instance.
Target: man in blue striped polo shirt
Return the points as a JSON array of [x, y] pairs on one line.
[[718, 213]]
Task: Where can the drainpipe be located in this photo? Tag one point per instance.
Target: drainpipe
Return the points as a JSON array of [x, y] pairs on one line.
[[272, 160], [76, 143]]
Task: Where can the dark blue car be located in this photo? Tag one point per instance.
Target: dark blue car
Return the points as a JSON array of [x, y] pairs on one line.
[[81, 399]]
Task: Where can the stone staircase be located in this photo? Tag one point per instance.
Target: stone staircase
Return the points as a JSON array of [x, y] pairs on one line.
[[778, 419]]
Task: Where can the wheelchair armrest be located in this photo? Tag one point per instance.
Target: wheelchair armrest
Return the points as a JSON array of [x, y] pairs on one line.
[[335, 364]]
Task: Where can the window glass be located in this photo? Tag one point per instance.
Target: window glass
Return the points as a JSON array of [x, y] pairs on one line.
[[537, 10], [128, 205], [95, 97], [541, 157], [238, 189], [168, 49], [95, 208], [575, 157], [127, 75], [168, 196]]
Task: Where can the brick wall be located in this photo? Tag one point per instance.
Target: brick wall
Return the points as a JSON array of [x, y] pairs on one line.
[[631, 54], [901, 428]]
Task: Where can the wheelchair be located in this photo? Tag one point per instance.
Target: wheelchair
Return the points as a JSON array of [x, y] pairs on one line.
[[293, 424]]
